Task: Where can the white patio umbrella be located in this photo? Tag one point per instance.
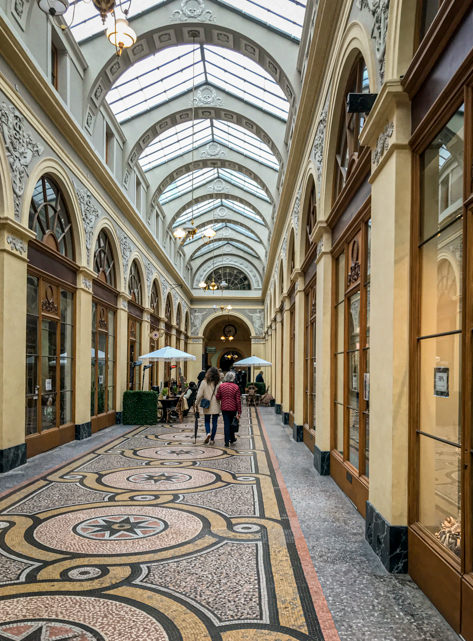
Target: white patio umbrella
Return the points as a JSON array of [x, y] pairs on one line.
[[251, 361], [168, 354]]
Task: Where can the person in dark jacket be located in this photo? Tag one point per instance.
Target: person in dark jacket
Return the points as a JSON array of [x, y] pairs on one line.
[[190, 396], [230, 401], [200, 377], [259, 378]]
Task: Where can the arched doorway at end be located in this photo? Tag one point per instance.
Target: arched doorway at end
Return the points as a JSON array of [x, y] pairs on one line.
[[228, 358]]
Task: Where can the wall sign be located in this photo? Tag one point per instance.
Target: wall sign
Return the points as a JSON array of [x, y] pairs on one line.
[[442, 382]]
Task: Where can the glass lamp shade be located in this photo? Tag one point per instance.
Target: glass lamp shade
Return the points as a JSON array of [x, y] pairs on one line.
[[222, 338], [230, 338], [180, 233], [229, 307], [121, 35], [209, 233], [203, 285], [54, 7], [213, 285]]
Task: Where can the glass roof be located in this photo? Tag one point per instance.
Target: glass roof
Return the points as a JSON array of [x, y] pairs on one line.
[[224, 229], [221, 244], [168, 73], [183, 184], [178, 140], [284, 15], [221, 206]]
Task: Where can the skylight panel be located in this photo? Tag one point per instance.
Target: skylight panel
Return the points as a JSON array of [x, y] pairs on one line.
[[196, 210], [87, 21], [183, 185], [210, 248], [175, 142], [245, 142], [243, 248], [239, 208], [241, 76], [244, 182], [155, 80], [284, 15], [242, 230]]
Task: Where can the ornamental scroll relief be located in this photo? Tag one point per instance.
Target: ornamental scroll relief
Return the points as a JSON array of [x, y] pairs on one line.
[[379, 10], [90, 215], [193, 10], [382, 144], [20, 148]]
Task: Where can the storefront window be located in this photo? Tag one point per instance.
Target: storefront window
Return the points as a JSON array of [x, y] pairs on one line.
[[102, 359], [440, 335]]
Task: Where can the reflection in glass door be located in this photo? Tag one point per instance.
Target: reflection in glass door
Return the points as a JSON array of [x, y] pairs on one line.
[[102, 360]]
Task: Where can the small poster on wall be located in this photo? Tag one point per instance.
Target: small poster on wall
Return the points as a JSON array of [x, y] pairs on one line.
[[441, 382]]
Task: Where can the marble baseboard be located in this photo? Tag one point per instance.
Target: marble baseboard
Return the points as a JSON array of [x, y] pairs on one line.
[[322, 461], [278, 408], [285, 418], [118, 418], [83, 430], [388, 541], [298, 433], [12, 457]]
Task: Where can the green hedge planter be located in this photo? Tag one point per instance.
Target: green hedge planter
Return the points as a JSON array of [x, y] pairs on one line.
[[140, 408], [260, 387]]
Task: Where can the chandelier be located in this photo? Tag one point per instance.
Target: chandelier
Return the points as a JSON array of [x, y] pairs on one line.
[[119, 34], [188, 230]]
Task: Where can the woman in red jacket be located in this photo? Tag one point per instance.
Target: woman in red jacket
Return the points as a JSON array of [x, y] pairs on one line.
[[228, 394]]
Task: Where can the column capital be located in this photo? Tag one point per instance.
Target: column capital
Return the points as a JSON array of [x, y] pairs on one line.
[[14, 238], [85, 279]]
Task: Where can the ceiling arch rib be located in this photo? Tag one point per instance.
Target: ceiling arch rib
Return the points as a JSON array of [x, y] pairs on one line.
[[261, 175], [227, 246], [221, 209], [227, 229], [142, 129], [187, 136], [211, 218], [237, 197], [230, 31], [170, 73], [88, 23]]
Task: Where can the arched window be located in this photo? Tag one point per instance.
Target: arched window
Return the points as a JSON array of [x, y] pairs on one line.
[[234, 278], [49, 218], [134, 283], [311, 216], [348, 145], [154, 300], [104, 263]]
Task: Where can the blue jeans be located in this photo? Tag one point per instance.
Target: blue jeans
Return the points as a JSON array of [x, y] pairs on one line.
[[214, 424], [227, 425]]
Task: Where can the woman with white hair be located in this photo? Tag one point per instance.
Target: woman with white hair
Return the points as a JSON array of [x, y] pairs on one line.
[[228, 394]]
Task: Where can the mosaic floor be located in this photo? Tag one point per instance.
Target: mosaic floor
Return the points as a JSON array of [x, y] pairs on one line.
[[153, 538]]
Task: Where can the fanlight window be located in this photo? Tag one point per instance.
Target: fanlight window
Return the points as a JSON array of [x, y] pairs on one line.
[[234, 278], [49, 218], [134, 284], [154, 300], [104, 263], [348, 145]]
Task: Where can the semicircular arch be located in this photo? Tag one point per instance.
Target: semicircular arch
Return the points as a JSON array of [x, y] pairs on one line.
[[234, 313], [224, 196], [136, 258], [105, 225]]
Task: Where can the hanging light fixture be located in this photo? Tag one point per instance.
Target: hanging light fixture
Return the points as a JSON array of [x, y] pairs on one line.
[[189, 230], [121, 35], [54, 7], [104, 7]]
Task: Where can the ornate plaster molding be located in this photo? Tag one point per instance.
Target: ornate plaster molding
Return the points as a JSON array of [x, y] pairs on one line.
[[125, 305], [379, 10], [218, 186], [20, 148], [382, 144], [198, 316], [256, 316], [87, 283], [164, 288], [149, 273], [296, 210], [16, 244], [206, 96], [192, 10], [318, 148], [90, 215], [126, 248], [213, 150]]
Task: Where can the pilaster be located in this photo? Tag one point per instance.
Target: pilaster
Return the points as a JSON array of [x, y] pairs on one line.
[[122, 349], [278, 360], [144, 347], [82, 362], [285, 356], [13, 271], [299, 360]]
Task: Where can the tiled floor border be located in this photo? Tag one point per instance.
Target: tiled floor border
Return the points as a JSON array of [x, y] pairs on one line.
[[320, 604]]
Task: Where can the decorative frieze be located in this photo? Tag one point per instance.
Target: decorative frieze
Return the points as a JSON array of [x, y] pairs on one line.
[[296, 210], [379, 10], [382, 144], [197, 318], [318, 148], [20, 148], [17, 245], [192, 10], [90, 215]]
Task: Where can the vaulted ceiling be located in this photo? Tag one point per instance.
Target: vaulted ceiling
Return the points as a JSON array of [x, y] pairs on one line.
[[236, 74]]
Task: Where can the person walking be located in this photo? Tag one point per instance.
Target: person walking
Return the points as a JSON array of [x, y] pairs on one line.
[[207, 400], [229, 396]]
